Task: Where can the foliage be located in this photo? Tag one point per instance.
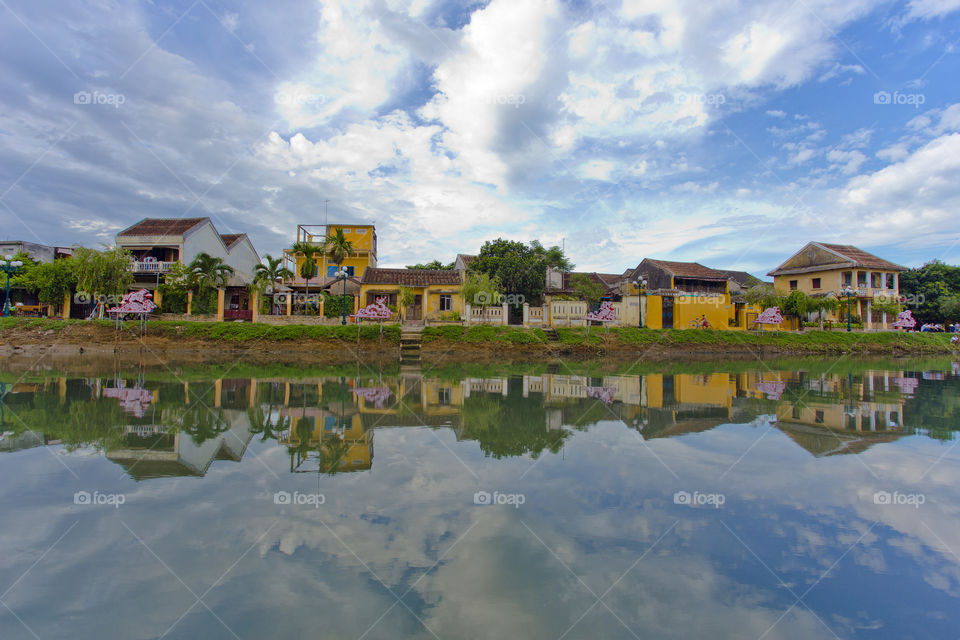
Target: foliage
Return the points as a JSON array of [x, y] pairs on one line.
[[586, 288], [333, 305], [763, 295], [433, 264], [104, 272], [926, 286], [520, 269], [269, 273], [204, 302], [51, 281], [405, 298], [552, 256], [337, 247], [479, 289], [173, 299], [207, 271], [309, 251], [950, 307]]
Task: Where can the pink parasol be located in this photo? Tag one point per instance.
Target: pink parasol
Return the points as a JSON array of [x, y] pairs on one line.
[[135, 302], [770, 316], [376, 311], [376, 395], [905, 320]]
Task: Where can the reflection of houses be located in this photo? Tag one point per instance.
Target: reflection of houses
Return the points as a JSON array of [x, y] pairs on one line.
[[322, 440], [158, 451]]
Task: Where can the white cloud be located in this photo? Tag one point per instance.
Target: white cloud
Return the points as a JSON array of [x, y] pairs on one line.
[[776, 113], [927, 9], [850, 160]]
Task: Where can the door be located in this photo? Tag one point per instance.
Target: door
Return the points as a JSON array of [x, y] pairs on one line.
[[667, 317], [415, 310]]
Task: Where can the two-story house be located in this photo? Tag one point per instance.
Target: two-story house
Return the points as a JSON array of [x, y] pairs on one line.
[[156, 244], [363, 237], [843, 271]]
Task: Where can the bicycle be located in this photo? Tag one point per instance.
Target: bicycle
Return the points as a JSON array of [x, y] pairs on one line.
[[700, 323]]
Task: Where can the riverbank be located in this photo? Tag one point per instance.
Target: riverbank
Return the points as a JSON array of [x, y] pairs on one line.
[[212, 341]]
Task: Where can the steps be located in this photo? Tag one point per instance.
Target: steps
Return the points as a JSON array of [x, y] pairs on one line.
[[410, 345], [551, 334]]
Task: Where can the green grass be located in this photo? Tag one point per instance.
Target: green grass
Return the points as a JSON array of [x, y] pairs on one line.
[[226, 331], [612, 339]]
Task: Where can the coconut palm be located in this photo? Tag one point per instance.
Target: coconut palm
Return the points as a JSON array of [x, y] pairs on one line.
[[208, 271], [308, 268], [267, 274], [337, 247]]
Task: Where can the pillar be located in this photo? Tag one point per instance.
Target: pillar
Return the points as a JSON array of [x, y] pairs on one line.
[[189, 301], [217, 391], [468, 312], [66, 306], [526, 314], [255, 301], [867, 318], [221, 298], [505, 318], [289, 301], [253, 392], [186, 393], [157, 297]]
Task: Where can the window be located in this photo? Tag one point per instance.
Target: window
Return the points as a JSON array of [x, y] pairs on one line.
[[890, 281], [816, 283], [332, 271], [861, 278], [847, 278], [818, 416], [793, 285], [443, 396], [347, 230], [875, 280], [446, 302], [361, 231]]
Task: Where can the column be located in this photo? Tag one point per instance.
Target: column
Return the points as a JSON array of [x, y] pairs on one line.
[[255, 300], [289, 301], [217, 391], [221, 298], [526, 314], [506, 311], [467, 309], [157, 297], [253, 392], [66, 306], [189, 301]]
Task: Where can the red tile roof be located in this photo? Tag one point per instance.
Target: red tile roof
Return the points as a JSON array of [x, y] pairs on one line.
[[230, 238], [162, 227], [688, 269], [411, 277], [861, 258]]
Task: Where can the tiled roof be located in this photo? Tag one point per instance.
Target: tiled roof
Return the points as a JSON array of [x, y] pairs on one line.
[[411, 277], [162, 227], [741, 277], [230, 238], [688, 269], [465, 258], [861, 258]]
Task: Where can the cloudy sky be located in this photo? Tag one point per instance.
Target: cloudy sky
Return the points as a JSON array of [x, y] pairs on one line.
[[726, 132]]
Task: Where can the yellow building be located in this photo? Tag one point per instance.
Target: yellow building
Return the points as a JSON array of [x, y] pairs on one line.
[[436, 292], [833, 269], [686, 295], [364, 240]]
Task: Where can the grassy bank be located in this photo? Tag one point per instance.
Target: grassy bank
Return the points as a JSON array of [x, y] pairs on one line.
[[634, 339], [478, 339]]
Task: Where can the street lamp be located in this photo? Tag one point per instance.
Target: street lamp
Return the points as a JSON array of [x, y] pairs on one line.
[[848, 292], [342, 274], [641, 283], [9, 266]]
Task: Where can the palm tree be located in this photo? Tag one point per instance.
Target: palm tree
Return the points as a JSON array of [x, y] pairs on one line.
[[207, 272], [267, 275], [337, 247], [309, 250]]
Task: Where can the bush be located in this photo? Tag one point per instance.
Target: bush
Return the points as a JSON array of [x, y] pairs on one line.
[[333, 305], [172, 299]]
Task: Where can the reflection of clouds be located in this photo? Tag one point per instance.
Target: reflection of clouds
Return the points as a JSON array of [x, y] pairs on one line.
[[598, 506]]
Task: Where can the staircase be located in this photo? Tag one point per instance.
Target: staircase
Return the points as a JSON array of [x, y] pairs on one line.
[[410, 345], [551, 334]]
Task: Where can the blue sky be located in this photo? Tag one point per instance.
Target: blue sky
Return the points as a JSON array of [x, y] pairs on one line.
[[730, 133]]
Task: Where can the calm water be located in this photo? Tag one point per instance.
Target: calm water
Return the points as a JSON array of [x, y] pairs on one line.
[[816, 500]]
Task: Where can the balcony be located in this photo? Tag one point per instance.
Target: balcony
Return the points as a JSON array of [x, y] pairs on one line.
[[151, 267]]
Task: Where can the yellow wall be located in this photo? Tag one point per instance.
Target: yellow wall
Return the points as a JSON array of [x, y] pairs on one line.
[[361, 235], [686, 309], [430, 296]]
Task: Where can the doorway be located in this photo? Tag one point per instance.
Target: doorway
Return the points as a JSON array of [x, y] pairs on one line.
[[667, 313]]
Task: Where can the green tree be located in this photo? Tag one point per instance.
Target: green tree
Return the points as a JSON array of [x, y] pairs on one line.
[[104, 272], [207, 273], [551, 256], [518, 268], [405, 298], [479, 289], [51, 281], [796, 305], [764, 296], [309, 251], [950, 307], [586, 288], [923, 288], [337, 248], [433, 264], [821, 304], [269, 273]]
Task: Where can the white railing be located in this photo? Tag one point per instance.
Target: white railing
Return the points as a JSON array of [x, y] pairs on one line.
[[151, 267]]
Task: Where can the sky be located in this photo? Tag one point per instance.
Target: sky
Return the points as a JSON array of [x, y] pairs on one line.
[[729, 133]]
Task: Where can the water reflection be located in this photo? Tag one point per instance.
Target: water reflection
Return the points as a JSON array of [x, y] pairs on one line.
[[160, 428]]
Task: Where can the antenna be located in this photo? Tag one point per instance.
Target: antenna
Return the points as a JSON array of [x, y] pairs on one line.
[[326, 217]]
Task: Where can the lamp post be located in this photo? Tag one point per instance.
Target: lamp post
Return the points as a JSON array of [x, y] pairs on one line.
[[848, 292], [342, 274], [9, 266], [641, 283]]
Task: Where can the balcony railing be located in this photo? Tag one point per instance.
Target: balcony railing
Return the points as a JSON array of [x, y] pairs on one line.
[[151, 267]]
